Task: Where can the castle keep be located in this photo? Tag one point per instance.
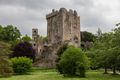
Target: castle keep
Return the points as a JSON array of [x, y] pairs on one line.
[[62, 27]]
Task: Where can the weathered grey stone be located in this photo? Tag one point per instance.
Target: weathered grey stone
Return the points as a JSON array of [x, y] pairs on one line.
[[62, 27]]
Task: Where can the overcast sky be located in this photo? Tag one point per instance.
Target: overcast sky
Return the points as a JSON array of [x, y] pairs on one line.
[[28, 14]]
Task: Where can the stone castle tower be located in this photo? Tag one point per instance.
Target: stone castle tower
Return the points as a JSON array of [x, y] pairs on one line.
[[35, 38], [37, 42], [63, 26]]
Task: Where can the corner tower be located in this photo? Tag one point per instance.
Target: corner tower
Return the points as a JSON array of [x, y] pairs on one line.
[[35, 39], [63, 26]]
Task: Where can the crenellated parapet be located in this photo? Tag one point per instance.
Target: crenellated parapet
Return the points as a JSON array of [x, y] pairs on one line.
[[61, 11], [53, 13]]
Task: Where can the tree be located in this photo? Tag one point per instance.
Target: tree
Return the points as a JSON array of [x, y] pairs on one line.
[[115, 52], [73, 62], [60, 51], [99, 32], [87, 38], [101, 49], [5, 65], [26, 38], [10, 33], [23, 49]]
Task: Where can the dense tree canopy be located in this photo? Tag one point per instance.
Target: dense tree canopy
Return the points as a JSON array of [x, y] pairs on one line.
[[87, 36], [9, 33], [106, 50], [5, 65], [26, 38], [24, 49]]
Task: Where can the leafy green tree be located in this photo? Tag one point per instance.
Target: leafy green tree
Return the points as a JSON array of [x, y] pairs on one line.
[[60, 51], [26, 38], [101, 49], [5, 65], [11, 33], [87, 36], [73, 62], [106, 50], [99, 32], [115, 52]]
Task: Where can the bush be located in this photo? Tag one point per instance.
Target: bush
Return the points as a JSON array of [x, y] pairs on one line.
[[60, 51], [5, 65], [73, 62], [21, 65], [23, 49]]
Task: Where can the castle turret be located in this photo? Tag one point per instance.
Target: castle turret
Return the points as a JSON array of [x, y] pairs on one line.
[[35, 39]]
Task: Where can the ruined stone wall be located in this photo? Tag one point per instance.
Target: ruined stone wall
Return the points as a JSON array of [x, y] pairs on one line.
[[34, 39], [37, 42]]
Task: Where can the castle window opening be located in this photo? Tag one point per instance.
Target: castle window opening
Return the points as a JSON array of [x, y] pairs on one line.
[[40, 50], [35, 32], [34, 44]]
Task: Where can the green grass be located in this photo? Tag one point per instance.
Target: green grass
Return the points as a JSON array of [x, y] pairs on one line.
[[39, 74]]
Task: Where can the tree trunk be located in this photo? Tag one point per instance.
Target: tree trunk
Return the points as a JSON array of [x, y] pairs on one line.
[[114, 70], [105, 70]]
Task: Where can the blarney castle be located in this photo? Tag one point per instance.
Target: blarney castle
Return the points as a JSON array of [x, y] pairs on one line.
[[62, 27]]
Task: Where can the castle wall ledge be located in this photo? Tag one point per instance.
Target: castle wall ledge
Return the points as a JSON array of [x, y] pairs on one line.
[[51, 14]]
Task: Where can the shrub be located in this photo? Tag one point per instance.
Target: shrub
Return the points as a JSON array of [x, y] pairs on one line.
[[5, 65], [23, 49], [21, 65], [60, 51], [73, 62]]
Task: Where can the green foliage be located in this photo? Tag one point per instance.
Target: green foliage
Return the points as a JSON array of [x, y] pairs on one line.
[[51, 74], [106, 50], [87, 36], [73, 61], [60, 51], [9, 33], [99, 32], [21, 65], [45, 39], [101, 50], [5, 65], [23, 49], [26, 38]]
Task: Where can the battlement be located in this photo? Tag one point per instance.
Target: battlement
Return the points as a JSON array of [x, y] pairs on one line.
[[54, 13], [61, 10]]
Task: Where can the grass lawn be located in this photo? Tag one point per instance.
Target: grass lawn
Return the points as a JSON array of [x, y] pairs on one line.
[[51, 74]]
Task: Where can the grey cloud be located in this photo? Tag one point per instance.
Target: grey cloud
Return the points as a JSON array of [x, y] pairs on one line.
[[28, 14]]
